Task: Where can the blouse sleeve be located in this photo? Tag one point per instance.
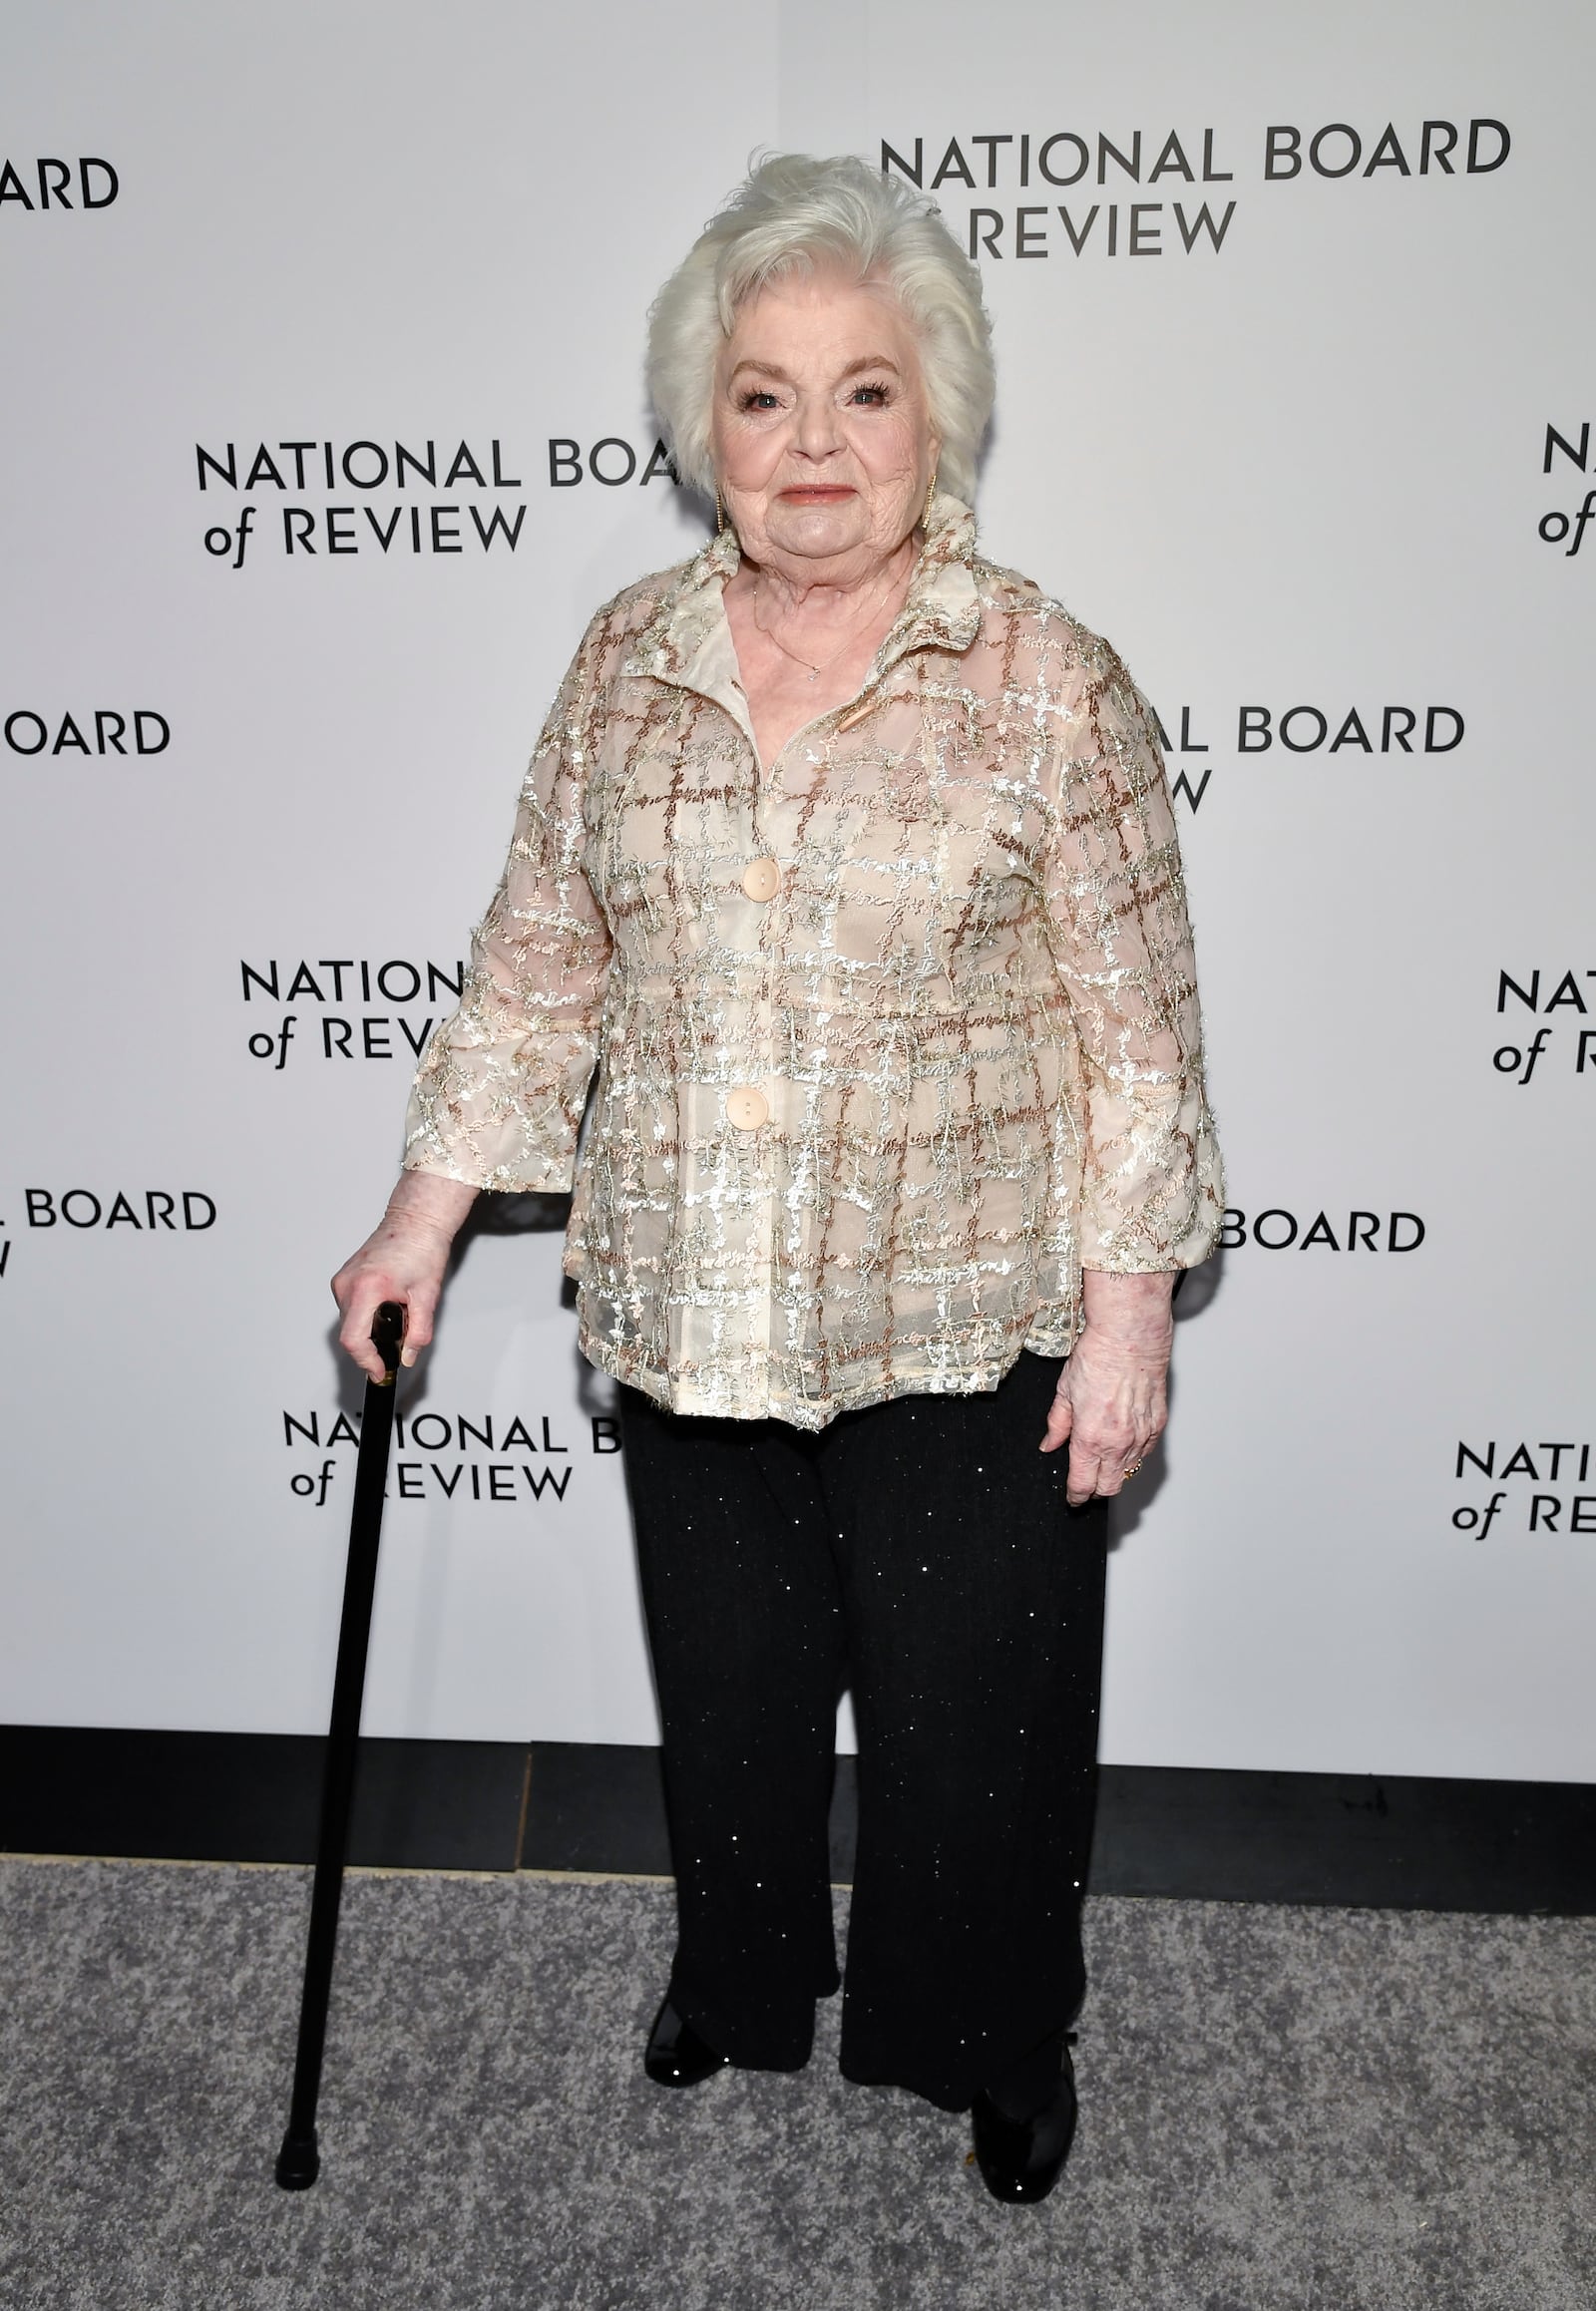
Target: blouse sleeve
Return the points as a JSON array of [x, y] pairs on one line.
[[498, 1098], [1152, 1189]]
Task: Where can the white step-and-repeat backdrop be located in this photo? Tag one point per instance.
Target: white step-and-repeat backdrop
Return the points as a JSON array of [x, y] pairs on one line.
[[324, 436]]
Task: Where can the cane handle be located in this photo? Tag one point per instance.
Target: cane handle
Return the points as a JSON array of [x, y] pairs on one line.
[[387, 1334]]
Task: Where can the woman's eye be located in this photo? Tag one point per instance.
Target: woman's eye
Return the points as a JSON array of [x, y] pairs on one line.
[[873, 396], [758, 398]]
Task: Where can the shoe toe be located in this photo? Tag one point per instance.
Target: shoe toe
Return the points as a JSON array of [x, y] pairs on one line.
[[677, 2056], [1021, 2159]]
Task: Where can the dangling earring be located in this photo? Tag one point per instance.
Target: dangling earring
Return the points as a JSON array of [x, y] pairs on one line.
[[720, 512], [930, 495]]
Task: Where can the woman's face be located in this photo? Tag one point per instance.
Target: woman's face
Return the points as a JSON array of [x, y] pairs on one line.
[[821, 435]]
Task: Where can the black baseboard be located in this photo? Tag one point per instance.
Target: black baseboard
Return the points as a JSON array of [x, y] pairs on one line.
[[1369, 1841], [1389, 1843], [255, 1797]]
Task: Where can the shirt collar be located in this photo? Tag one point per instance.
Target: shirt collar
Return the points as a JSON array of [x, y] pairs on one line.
[[689, 641]]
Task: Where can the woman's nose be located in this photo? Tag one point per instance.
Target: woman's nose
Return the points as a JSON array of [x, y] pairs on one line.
[[819, 433]]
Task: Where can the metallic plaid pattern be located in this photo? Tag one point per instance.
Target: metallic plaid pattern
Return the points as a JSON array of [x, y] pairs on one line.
[[968, 1015]]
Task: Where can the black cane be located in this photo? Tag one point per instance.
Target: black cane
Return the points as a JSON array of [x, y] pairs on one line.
[[299, 2161]]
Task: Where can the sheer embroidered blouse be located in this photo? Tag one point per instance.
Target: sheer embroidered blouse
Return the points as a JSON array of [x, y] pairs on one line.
[[893, 1035]]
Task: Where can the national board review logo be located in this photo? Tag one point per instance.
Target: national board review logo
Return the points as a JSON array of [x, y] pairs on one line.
[[158, 1213], [366, 498], [1523, 1487], [37, 185], [1098, 168], [412, 996], [103, 730], [448, 1456], [612, 461], [1280, 1230], [1567, 528], [384, 516], [1339, 734], [1562, 1043]]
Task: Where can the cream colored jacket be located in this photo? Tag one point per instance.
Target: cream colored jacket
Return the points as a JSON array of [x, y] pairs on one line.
[[893, 1035]]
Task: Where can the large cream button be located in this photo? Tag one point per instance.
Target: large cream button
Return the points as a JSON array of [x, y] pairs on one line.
[[747, 1108], [762, 880]]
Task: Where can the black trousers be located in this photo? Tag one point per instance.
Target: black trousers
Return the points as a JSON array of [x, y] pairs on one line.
[[921, 1552]]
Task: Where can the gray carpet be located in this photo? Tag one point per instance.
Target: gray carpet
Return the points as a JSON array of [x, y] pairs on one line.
[[1308, 2108]]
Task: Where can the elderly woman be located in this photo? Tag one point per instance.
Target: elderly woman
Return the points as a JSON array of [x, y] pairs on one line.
[[847, 861]]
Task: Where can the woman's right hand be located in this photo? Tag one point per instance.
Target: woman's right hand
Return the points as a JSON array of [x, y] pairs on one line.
[[403, 1258]]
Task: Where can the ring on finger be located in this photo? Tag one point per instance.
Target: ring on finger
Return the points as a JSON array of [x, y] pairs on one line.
[[1131, 1468]]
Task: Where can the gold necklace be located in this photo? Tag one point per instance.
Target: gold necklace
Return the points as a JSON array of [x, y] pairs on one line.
[[814, 672]]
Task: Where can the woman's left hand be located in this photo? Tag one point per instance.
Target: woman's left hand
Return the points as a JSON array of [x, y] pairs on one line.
[[1111, 1404]]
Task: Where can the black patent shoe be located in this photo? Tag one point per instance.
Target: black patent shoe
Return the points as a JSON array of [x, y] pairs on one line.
[[1021, 2159], [677, 2054]]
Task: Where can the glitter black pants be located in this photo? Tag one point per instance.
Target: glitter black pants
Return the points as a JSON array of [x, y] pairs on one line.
[[920, 1552]]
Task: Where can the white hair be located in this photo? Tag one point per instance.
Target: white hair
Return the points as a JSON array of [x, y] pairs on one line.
[[795, 213]]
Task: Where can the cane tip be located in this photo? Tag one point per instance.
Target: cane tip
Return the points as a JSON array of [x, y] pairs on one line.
[[298, 2161]]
